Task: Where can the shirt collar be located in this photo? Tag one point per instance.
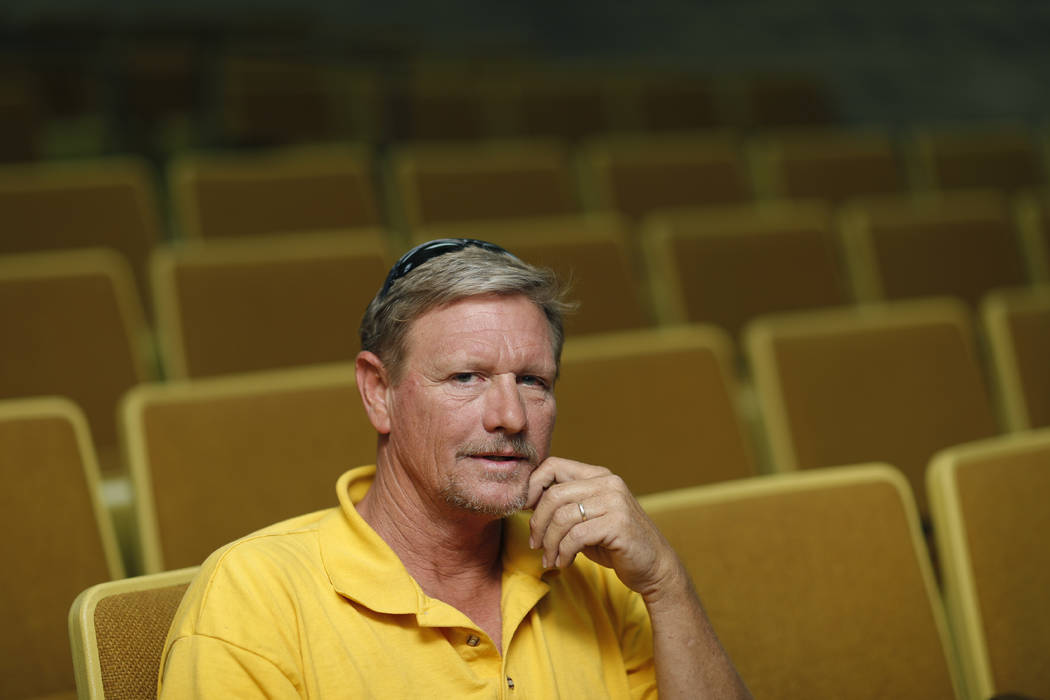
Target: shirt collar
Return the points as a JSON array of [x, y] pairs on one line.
[[362, 567]]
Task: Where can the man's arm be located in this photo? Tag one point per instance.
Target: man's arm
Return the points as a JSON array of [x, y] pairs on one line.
[[582, 508]]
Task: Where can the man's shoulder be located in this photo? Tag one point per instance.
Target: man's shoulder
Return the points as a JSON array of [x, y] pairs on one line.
[[272, 551]]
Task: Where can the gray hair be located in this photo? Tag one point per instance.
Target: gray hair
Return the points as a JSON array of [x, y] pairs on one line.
[[448, 278]]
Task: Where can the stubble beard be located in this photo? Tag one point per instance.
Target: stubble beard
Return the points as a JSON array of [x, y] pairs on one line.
[[459, 494]]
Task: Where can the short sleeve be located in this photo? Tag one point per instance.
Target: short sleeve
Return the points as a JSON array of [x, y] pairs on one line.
[[204, 667]]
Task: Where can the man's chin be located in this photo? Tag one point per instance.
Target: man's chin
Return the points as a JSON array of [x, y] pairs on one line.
[[501, 503]]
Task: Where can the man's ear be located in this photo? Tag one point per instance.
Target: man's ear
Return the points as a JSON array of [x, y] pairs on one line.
[[373, 382]]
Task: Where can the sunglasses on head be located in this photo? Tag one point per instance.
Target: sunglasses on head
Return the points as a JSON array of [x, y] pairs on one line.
[[430, 250]]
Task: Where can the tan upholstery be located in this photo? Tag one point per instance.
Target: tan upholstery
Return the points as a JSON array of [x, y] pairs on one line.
[[95, 203], [655, 406], [828, 164], [817, 584], [73, 326], [469, 181], [239, 306], [117, 632], [58, 540], [593, 253], [1017, 325], [212, 460], [273, 191], [1002, 157], [959, 244], [635, 175], [892, 383], [989, 505], [728, 265]]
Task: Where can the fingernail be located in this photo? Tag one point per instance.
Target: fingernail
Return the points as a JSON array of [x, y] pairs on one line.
[[532, 543], [544, 561]]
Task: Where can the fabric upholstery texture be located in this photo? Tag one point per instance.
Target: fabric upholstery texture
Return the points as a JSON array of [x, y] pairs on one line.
[[53, 550], [894, 384], [131, 629], [640, 403], [990, 519], [817, 583], [282, 191], [731, 265], [227, 456]]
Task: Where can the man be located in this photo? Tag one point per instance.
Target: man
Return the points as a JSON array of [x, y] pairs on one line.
[[427, 581]]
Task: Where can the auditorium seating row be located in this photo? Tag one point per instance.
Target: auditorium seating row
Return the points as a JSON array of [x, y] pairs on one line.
[[345, 185], [164, 98], [75, 326], [662, 407], [893, 382], [818, 581]]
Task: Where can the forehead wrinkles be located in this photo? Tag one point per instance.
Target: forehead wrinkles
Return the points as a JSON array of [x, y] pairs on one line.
[[483, 335], [497, 350]]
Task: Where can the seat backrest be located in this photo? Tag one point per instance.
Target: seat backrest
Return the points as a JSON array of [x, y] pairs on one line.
[[635, 175], [215, 459], [495, 180], [828, 164], [960, 244], [60, 540], [892, 383], [273, 191], [73, 326], [989, 501], [667, 420], [727, 265], [247, 305], [818, 584], [108, 203], [1003, 156], [117, 632], [1017, 326], [592, 253]]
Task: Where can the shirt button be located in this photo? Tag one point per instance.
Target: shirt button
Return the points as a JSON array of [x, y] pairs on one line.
[[473, 640], [510, 682]]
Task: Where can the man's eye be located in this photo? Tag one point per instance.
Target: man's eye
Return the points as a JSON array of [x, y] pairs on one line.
[[533, 380], [463, 377]]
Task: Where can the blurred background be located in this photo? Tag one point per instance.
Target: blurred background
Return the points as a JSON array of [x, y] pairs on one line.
[[117, 76], [756, 201]]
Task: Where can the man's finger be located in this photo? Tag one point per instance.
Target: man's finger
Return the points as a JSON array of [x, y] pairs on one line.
[[552, 500], [557, 470]]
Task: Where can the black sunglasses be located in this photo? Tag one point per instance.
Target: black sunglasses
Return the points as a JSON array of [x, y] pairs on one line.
[[430, 250]]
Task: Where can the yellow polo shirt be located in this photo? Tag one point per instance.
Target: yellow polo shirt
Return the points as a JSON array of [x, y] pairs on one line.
[[320, 607]]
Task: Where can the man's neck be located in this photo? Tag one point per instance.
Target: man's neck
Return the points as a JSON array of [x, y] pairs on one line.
[[433, 537], [453, 555]]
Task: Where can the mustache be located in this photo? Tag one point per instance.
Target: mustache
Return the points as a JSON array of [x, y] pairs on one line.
[[500, 444]]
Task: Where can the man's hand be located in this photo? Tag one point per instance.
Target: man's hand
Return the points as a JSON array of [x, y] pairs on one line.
[[583, 508]]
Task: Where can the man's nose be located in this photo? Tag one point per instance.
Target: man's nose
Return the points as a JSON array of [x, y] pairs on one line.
[[504, 407]]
